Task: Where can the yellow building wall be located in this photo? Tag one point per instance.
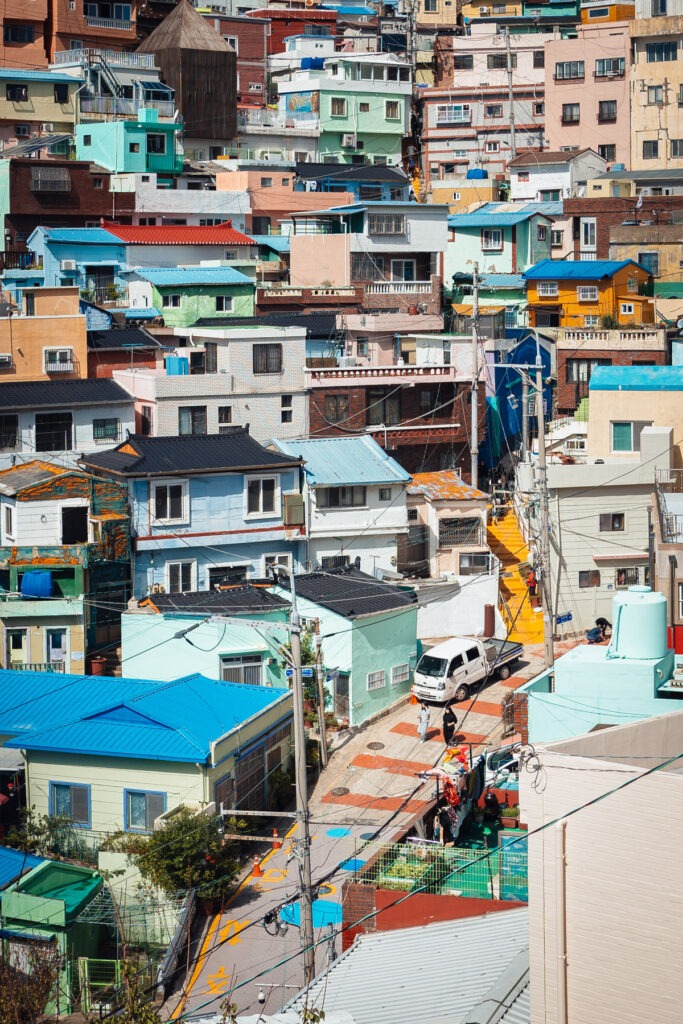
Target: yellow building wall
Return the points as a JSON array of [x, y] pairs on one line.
[[36, 649], [670, 255], [478, 190], [660, 408], [609, 13], [651, 121], [40, 105], [54, 323], [610, 294], [472, 11]]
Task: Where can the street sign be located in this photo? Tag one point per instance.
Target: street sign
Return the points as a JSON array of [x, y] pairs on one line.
[[307, 673], [565, 617]]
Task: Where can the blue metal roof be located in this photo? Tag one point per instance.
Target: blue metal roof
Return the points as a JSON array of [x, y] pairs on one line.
[[549, 209], [168, 276], [17, 75], [636, 378], [340, 9], [170, 721], [484, 219], [91, 236], [576, 270], [502, 281], [335, 461], [14, 863], [141, 313], [279, 243]]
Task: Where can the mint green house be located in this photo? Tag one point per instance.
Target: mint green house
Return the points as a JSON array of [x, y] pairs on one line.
[[369, 631], [126, 147], [185, 294], [359, 102]]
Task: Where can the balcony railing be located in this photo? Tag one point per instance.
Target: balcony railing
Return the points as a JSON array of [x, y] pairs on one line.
[[115, 106], [107, 295], [109, 24], [122, 60], [167, 163], [37, 666], [463, 118], [19, 261], [335, 375], [267, 120], [399, 288]]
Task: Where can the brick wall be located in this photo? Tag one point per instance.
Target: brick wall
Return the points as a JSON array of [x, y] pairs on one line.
[[358, 900], [610, 212], [569, 393], [521, 706]]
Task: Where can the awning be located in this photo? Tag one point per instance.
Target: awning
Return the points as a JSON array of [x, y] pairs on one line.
[[622, 556], [465, 309], [156, 87]]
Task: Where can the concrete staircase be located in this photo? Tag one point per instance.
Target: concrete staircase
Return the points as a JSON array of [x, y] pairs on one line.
[[507, 543]]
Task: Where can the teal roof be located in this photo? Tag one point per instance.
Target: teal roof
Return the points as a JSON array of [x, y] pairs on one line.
[[489, 218], [55, 607], [92, 236], [164, 277], [636, 378], [502, 281], [17, 75], [171, 721], [340, 461], [278, 243], [576, 270]]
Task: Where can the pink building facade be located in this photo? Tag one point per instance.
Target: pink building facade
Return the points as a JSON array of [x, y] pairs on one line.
[[587, 92]]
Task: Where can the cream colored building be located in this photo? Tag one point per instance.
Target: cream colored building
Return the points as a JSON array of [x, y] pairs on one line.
[[459, 194], [660, 244], [656, 93], [604, 909]]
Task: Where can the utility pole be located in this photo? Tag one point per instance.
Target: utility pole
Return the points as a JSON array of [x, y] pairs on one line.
[[525, 417], [511, 119], [544, 539], [320, 673], [474, 440], [303, 844]]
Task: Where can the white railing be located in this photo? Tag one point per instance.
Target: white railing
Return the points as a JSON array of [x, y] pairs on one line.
[[334, 373], [399, 288], [109, 23], [116, 106], [122, 60], [260, 118]]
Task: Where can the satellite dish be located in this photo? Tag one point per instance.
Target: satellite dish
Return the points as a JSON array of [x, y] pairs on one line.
[[679, 324]]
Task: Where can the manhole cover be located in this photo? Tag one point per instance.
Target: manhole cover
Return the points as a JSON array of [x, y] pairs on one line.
[[375, 746], [340, 791]]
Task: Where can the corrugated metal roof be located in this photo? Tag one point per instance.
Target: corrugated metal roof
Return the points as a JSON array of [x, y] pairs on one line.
[[82, 236], [351, 593], [279, 243], [489, 219], [19, 75], [519, 1012], [445, 485], [575, 270], [14, 863], [178, 234], [331, 461], [433, 974], [170, 276], [502, 281], [636, 378], [171, 721]]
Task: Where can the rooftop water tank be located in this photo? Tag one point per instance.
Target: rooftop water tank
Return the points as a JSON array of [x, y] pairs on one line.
[[639, 625], [477, 172], [177, 366]]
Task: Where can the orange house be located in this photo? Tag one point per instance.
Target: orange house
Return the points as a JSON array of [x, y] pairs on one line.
[[582, 293], [45, 339]]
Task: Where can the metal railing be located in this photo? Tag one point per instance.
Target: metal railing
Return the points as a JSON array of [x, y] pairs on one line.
[[669, 481], [503, 875], [37, 666], [260, 118], [399, 288], [109, 23], [107, 295], [171, 163], [334, 373], [115, 105], [20, 260], [84, 55]]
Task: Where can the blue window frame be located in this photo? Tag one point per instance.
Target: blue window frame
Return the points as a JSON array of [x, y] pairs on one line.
[[70, 800], [140, 808]]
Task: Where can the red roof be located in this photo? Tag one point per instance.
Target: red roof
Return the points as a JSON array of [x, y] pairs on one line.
[[178, 234]]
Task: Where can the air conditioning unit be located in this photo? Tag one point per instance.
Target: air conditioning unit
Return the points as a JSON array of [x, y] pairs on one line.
[[5, 359], [66, 265], [484, 11], [47, 126], [645, 192], [349, 141]]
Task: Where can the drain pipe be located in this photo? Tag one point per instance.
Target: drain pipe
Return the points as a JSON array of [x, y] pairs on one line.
[[561, 919]]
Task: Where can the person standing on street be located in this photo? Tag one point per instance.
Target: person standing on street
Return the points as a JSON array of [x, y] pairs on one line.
[[450, 723], [423, 722]]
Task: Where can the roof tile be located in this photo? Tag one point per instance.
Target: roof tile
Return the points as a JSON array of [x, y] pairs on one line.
[[178, 234]]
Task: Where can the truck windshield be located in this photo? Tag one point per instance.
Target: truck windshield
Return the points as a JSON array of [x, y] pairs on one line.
[[432, 666]]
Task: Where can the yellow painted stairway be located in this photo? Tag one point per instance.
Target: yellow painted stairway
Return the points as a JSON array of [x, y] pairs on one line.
[[507, 543]]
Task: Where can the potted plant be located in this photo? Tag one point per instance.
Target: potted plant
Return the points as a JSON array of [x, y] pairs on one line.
[[509, 817]]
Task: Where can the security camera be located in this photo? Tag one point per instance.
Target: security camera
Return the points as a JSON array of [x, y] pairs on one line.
[[261, 996]]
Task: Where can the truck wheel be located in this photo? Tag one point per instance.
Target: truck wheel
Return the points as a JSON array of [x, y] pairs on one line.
[[462, 693], [504, 672]]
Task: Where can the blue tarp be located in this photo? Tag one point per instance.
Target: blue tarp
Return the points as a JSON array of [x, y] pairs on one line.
[[37, 583]]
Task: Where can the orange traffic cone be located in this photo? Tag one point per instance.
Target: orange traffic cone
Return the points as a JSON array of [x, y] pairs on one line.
[[256, 870], [277, 842]]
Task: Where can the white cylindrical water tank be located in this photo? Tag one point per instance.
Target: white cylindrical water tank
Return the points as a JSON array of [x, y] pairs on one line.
[[638, 625]]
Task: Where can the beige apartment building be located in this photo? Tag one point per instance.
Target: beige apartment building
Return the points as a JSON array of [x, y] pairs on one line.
[[656, 93], [587, 91], [45, 339]]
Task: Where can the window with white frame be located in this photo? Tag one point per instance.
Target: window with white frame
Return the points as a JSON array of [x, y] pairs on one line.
[[625, 577], [169, 501], [385, 494], [270, 561], [548, 289], [587, 292], [591, 320], [400, 674], [680, 601], [376, 680], [181, 577], [589, 233], [386, 224], [492, 147], [286, 411], [224, 303], [492, 240], [625, 434], [8, 523], [263, 495], [338, 106], [569, 69], [245, 668], [340, 497], [626, 308], [171, 301], [392, 110], [453, 113]]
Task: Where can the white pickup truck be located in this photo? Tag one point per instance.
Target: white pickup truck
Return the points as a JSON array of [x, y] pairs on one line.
[[452, 669]]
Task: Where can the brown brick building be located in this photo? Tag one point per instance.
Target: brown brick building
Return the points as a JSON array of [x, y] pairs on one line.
[[608, 212]]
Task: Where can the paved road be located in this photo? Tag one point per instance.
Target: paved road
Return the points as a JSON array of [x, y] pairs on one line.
[[370, 788]]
